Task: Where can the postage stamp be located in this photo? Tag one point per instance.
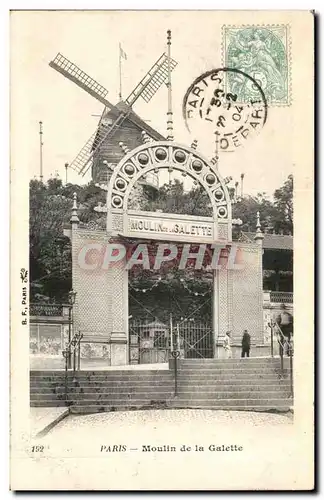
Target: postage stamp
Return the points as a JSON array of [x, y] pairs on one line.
[[263, 52]]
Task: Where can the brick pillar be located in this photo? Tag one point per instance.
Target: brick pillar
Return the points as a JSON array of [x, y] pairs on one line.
[[215, 311], [118, 281]]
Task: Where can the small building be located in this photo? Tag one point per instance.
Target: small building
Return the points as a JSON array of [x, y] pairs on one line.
[[277, 262]]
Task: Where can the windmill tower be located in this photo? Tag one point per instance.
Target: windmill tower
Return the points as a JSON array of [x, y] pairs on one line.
[[118, 123]]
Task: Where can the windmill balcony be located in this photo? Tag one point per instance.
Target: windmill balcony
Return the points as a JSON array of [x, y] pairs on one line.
[[151, 179]]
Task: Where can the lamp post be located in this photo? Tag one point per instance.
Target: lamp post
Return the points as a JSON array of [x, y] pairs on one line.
[[242, 178], [72, 296]]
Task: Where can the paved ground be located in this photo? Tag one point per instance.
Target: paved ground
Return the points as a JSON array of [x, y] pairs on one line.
[[170, 449], [40, 418], [123, 426]]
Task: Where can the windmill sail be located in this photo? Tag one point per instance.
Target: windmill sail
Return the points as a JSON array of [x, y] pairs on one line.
[[80, 78], [152, 81], [82, 161], [146, 89]]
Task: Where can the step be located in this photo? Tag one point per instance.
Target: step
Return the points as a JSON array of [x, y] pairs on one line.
[[88, 409], [222, 403], [55, 373], [203, 394], [238, 384], [232, 404], [101, 377], [227, 363], [106, 388], [47, 397], [192, 380], [184, 402], [251, 359], [246, 395], [233, 385], [96, 395], [124, 403], [104, 395], [220, 378], [183, 372], [48, 403], [282, 408], [228, 369], [107, 373], [116, 383], [188, 375], [232, 388]]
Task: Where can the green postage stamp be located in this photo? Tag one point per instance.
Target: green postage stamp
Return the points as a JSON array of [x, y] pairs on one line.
[[263, 52]]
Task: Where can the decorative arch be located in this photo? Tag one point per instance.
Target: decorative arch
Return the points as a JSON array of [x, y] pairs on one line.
[[153, 156]]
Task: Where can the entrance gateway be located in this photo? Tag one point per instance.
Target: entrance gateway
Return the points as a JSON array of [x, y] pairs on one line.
[[101, 307]]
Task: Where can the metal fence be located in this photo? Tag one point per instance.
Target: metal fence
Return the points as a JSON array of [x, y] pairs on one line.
[[196, 340], [46, 309], [151, 342], [282, 297]]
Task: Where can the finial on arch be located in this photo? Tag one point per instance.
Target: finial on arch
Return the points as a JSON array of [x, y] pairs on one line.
[[214, 161], [109, 166], [258, 224], [74, 216], [145, 137], [124, 148], [194, 144], [258, 234]]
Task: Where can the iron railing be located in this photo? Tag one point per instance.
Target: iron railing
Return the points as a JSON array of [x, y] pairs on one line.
[[282, 297], [285, 344], [152, 179], [149, 342], [73, 347], [196, 340], [46, 309], [175, 353]]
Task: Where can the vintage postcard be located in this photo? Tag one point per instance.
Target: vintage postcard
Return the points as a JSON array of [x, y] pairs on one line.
[[162, 250]]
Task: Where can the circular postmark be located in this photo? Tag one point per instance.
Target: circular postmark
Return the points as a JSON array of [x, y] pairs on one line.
[[211, 107]]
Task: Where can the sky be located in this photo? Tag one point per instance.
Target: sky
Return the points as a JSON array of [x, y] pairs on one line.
[[91, 40]]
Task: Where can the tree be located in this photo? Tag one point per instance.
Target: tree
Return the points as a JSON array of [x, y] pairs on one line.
[[284, 204], [50, 251], [276, 215], [246, 209], [172, 198], [50, 256]]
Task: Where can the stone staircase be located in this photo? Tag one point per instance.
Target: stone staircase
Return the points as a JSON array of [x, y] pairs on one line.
[[233, 384], [238, 384], [95, 391]]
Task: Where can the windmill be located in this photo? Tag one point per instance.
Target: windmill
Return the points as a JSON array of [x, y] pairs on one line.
[[147, 87]]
